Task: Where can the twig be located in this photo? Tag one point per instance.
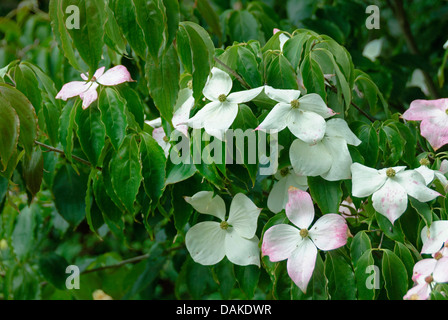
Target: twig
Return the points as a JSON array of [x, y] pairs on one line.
[[233, 72], [119, 264], [368, 116], [401, 16], [50, 148]]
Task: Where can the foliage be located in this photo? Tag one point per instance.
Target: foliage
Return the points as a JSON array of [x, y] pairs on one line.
[[92, 187]]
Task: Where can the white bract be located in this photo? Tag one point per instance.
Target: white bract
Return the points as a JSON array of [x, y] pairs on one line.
[[329, 157], [209, 242], [390, 188], [217, 116], [278, 197], [299, 244], [304, 117], [430, 175], [184, 104], [434, 237]]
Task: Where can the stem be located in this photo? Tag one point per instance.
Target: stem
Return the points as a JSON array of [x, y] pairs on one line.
[[401, 16], [50, 148], [119, 264], [233, 72], [368, 116]]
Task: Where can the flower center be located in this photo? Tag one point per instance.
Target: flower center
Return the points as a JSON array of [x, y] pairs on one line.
[[224, 225], [222, 98], [390, 173], [190, 84], [295, 104], [165, 138], [93, 79], [429, 279], [438, 256], [303, 233], [414, 297], [284, 172], [446, 111], [424, 162]]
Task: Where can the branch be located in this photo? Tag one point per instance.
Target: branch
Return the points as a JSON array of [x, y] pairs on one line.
[[401, 16], [233, 73], [368, 116], [119, 264], [50, 148]]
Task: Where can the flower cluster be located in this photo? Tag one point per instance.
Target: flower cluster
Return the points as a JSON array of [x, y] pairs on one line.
[[431, 271]]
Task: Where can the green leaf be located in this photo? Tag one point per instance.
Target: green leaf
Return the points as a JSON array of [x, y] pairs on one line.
[[208, 13], [153, 167], [405, 256], [113, 38], [242, 26], [69, 190], [113, 115], [126, 172], [56, 12], [247, 67], [393, 232], [124, 11], [196, 50], [327, 194], [26, 82], [112, 214], [340, 275], [53, 266], [67, 125], [394, 275], [247, 278], [423, 210], [366, 277], [360, 244], [280, 74], [313, 77], [25, 112], [9, 131], [369, 147], [33, 171], [150, 17], [23, 236], [163, 77], [91, 133], [225, 277], [89, 38]]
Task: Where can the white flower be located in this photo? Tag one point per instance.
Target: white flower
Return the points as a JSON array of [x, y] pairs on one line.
[[299, 243], [304, 117], [185, 102], [329, 157], [209, 241], [278, 197], [429, 175], [86, 90], [218, 115], [434, 237], [445, 46], [390, 188]]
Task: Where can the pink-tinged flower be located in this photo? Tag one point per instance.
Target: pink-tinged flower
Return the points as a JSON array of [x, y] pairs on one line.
[[86, 90], [434, 117], [427, 273], [434, 237], [299, 244], [390, 188]]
